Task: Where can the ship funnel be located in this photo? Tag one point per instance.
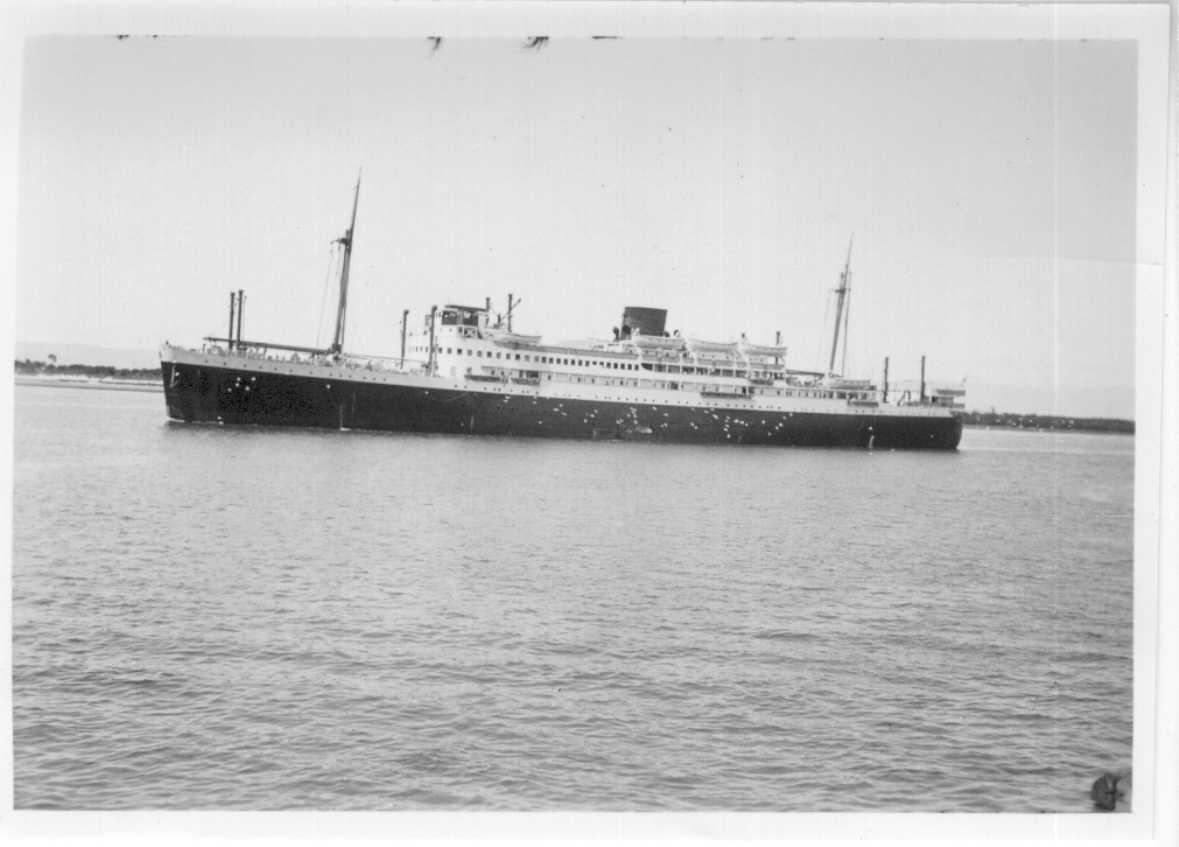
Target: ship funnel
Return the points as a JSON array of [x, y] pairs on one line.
[[643, 320]]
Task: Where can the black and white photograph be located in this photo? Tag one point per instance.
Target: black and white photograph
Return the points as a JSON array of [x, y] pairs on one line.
[[724, 419]]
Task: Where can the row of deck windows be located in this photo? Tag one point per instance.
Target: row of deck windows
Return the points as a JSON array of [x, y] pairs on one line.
[[810, 394], [628, 366], [547, 360]]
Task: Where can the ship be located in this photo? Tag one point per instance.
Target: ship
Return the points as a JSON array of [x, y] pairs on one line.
[[465, 371]]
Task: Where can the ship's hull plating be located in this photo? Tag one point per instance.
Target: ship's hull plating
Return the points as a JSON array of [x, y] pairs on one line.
[[210, 394]]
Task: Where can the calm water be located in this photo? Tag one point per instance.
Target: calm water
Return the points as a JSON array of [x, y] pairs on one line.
[[219, 618]]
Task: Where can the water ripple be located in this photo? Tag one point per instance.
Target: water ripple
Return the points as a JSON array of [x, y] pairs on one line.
[[200, 621]]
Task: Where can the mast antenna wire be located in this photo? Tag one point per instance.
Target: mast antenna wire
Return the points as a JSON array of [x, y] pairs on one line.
[[846, 318], [826, 314], [333, 253], [862, 355]]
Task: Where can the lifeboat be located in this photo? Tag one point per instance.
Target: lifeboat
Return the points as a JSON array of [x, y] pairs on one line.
[[509, 339]]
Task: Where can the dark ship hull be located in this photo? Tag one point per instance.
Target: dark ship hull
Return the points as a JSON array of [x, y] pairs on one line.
[[203, 393]]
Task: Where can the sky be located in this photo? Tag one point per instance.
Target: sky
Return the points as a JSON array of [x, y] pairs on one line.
[[989, 187]]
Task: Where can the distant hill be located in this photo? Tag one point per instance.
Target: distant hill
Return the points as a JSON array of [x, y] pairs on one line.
[[85, 354]]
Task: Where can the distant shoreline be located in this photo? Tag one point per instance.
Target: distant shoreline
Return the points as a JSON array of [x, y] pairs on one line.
[[1047, 423], [51, 369], [1058, 429], [51, 374], [108, 383]]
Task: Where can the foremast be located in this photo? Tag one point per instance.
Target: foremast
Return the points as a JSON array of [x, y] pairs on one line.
[[337, 346], [840, 313]]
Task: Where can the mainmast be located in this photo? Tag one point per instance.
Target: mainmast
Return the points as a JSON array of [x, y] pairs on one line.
[[844, 287], [338, 342]]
